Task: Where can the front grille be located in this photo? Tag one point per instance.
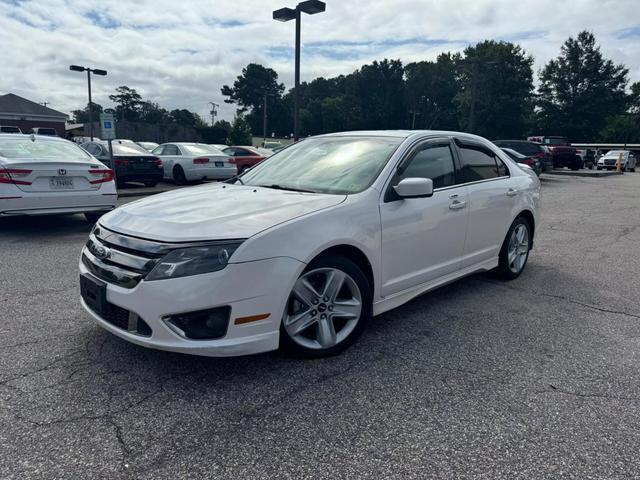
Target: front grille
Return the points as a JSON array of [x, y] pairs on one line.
[[119, 259], [610, 162]]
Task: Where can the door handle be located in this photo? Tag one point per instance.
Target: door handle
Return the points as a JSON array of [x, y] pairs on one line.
[[512, 192], [457, 205]]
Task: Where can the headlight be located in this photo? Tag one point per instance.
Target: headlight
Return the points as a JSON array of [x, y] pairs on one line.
[[193, 261]]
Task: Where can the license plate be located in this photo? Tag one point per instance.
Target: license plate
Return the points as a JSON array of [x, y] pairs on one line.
[[94, 293], [219, 164], [61, 183]]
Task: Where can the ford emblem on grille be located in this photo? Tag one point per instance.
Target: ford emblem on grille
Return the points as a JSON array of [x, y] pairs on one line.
[[62, 171], [101, 252]]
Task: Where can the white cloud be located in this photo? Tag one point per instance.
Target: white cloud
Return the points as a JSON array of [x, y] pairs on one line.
[[179, 54]]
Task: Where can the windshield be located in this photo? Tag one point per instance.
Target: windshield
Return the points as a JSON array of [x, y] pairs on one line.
[[127, 149], [201, 150], [339, 165], [41, 149]]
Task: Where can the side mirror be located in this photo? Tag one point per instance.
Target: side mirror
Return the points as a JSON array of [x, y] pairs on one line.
[[414, 188]]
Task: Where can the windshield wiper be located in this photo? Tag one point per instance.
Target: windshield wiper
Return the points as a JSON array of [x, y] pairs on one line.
[[234, 178], [280, 187]]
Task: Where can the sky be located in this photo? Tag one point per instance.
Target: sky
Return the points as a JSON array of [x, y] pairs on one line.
[[179, 53]]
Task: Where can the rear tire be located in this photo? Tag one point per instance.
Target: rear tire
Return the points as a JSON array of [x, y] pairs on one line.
[[327, 310], [178, 175], [515, 250]]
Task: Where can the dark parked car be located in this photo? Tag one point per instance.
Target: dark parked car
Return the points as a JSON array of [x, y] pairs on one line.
[[529, 149], [132, 162], [532, 162]]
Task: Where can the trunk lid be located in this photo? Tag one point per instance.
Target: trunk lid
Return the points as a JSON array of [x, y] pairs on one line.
[[55, 176]]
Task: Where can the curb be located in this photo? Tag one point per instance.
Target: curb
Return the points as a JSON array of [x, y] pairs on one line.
[[590, 173]]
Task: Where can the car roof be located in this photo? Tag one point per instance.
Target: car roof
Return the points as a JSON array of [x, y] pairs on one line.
[[406, 134], [26, 136]]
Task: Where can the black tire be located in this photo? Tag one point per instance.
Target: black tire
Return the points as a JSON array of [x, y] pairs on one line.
[[93, 217], [632, 170], [503, 270], [178, 175], [350, 268], [150, 184], [576, 163]]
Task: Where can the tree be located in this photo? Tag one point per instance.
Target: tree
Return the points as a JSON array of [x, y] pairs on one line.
[[240, 132], [153, 113], [128, 103], [380, 89], [579, 90], [183, 117], [431, 88], [223, 125], [495, 97], [82, 116], [249, 89]]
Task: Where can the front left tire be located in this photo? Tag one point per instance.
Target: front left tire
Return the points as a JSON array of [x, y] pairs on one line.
[[327, 310]]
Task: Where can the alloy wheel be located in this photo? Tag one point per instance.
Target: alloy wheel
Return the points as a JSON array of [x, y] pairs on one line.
[[518, 248], [323, 308]]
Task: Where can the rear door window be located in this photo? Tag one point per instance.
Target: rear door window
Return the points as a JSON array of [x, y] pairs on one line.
[[171, 150], [478, 165]]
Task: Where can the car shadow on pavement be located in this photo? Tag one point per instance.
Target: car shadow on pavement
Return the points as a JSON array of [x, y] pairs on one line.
[[46, 225]]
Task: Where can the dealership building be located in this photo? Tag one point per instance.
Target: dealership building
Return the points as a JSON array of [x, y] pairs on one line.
[[25, 114]]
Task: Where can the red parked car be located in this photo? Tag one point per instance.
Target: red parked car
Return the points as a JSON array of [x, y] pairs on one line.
[[244, 157], [562, 153]]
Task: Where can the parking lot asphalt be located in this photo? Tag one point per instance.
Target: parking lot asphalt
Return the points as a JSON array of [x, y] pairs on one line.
[[536, 378]]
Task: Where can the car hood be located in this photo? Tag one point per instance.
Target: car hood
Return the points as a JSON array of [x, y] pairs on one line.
[[213, 212]]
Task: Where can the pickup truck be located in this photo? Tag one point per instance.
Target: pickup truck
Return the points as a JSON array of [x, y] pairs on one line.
[[562, 153]]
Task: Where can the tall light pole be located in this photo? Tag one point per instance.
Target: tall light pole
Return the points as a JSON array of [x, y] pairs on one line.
[[309, 7], [264, 117], [214, 106], [95, 71]]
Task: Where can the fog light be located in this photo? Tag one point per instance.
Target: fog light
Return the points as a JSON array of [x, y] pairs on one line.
[[201, 325]]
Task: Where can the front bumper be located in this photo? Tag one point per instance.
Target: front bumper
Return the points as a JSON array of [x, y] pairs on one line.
[[250, 289]]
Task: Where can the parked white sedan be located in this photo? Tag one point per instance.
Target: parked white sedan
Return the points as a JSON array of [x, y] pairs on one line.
[[610, 161], [187, 162], [42, 175], [302, 249]]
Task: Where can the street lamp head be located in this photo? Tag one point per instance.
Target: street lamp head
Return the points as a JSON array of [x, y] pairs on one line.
[[97, 71], [284, 14], [76, 68], [312, 6]]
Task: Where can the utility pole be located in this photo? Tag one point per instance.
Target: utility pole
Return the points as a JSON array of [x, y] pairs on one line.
[[213, 112]]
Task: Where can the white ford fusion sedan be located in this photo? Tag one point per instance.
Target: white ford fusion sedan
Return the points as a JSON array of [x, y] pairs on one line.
[[300, 251], [43, 175]]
